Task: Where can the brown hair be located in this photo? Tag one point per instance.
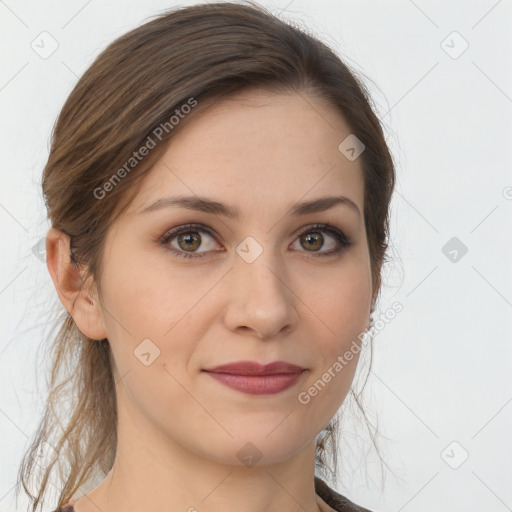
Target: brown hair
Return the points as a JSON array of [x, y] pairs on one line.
[[205, 51]]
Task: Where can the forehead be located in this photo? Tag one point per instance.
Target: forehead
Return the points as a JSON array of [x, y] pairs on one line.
[[257, 148]]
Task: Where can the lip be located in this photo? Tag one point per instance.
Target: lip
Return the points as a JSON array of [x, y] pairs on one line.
[[254, 368], [256, 379]]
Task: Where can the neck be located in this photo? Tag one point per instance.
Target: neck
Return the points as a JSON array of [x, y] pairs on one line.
[[174, 478]]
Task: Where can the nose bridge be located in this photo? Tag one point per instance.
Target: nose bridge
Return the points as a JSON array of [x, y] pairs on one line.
[[258, 264], [262, 300]]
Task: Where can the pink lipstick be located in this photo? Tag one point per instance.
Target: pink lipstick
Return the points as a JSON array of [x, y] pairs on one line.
[[255, 379]]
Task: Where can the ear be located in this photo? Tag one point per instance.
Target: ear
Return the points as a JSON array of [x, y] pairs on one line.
[[80, 298]]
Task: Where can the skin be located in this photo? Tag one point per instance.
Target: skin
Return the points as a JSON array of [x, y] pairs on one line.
[[179, 430]]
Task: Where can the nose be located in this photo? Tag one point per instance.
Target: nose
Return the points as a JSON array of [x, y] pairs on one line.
[[261, 301]]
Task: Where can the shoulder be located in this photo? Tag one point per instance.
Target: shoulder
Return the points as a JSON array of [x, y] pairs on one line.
[[336, 500]]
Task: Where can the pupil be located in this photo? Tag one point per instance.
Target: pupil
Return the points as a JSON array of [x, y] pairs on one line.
[[189, 240], [312, 239]]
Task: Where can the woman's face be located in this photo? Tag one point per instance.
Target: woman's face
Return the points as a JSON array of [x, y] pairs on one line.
[[263, 285]]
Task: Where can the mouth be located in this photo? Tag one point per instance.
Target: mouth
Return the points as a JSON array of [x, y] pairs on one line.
[[252, 378], [255, 368], [258, 384]]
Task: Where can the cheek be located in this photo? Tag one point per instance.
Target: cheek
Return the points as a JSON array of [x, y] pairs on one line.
[[153, 316], [140, 294], [341, 301], [341, 310]]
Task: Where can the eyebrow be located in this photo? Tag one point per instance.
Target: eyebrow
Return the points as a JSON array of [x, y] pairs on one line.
[[207, 205]]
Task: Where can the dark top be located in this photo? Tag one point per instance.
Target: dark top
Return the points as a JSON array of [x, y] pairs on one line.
[[331, 497]]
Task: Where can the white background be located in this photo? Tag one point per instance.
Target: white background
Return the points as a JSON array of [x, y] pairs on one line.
[[442, 367]]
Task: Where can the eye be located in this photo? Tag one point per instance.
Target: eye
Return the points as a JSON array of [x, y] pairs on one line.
[[312, 238], [186, 240]]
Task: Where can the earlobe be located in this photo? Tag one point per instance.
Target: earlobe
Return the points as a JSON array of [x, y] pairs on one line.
[[79, 297]]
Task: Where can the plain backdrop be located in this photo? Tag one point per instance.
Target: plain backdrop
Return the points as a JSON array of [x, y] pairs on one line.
[[440, 389]]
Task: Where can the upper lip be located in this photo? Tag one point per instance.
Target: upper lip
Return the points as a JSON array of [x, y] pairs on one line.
[[254, 368]]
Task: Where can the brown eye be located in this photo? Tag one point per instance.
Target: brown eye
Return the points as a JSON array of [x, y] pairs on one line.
[[185, 241], [188, 241], [312, 240]]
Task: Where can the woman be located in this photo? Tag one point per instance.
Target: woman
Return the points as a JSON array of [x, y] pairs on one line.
[[218, 188]]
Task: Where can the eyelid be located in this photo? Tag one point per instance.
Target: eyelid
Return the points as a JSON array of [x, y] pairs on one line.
[[342, 239], [174, 232]]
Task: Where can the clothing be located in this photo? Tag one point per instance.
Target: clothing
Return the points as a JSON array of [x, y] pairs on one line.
[[334, 499], [330, 496]]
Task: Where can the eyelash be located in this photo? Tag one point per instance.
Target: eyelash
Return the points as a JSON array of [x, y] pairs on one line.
[[343, 240]]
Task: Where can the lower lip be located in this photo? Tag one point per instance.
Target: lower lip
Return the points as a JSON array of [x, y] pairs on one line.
[[258, 384]]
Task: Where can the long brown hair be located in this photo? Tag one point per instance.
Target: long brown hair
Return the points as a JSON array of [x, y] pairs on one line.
[[135, 85]]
